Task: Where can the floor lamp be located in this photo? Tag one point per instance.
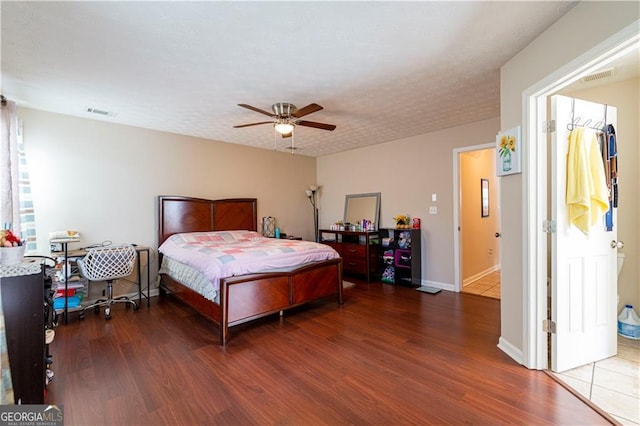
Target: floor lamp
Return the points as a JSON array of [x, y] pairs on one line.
[[312, 194]]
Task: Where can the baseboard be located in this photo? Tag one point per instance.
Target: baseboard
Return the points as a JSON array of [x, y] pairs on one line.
[[505, 346], [479, 275]]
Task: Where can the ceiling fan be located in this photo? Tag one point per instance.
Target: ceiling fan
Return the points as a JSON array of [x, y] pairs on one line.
[[286, 117]]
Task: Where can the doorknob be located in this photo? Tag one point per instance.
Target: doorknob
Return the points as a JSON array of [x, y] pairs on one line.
[[617, 244], [498, 235]]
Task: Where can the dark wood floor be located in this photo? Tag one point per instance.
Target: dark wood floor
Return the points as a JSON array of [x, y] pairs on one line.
[[389, 355]]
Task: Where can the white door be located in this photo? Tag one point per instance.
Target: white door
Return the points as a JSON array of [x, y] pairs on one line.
[[583, 268]]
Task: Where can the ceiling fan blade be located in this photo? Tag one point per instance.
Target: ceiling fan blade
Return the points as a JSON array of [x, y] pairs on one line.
[[252, 108], [251, 124], [306, 110], [322, 126]]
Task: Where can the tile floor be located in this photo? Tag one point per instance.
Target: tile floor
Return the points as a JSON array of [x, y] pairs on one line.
[[489, 286], [613, 384]]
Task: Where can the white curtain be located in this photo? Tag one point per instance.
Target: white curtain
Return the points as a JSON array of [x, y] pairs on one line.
[[9, 163], [9, 213], [15, 187]]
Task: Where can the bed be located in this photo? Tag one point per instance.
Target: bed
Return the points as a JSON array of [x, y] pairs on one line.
[[239, 298]]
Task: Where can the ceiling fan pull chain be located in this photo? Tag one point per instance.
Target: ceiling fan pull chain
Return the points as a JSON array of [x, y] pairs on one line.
[[275, 140]]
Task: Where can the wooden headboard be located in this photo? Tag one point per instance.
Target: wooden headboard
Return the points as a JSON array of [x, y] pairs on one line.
[[186, 214]]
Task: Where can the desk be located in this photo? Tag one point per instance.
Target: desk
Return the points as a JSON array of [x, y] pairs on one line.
[[81, 252]]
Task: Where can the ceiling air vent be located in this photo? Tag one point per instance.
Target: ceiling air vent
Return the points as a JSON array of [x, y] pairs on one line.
[[101, 112], [599, 75]]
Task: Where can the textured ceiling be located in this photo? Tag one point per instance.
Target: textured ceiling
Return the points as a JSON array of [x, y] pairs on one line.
[[381, 70]]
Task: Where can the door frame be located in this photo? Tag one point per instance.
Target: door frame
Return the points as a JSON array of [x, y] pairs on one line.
[[534, 99], [457, 195]]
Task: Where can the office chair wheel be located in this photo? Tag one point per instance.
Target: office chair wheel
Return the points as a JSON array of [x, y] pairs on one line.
[[81, 316], [107, 313], [96, 309]]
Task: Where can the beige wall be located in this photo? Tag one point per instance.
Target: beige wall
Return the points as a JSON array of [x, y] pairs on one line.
[[625, 96], [103, 179], [480, 248], [570, 37], [406, 172]]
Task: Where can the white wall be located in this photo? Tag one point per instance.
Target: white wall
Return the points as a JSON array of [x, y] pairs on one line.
[[406, 172], [103, 179], [582, 28]]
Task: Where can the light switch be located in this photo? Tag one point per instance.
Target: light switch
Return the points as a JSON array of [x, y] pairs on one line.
[[433, 210], [434, 197]]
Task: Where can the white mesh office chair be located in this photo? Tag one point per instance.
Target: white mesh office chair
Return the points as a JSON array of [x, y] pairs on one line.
[[108, 263]]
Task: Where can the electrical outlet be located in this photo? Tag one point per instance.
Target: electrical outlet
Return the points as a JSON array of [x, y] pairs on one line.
[[433, 210]]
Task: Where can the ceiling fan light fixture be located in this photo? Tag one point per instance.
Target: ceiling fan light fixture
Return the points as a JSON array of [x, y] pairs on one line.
[[283, 127]]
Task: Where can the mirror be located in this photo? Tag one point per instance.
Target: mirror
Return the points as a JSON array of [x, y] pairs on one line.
[[362, 206]]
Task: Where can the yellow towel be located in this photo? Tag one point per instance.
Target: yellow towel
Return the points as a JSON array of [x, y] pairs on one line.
[[587, 195]]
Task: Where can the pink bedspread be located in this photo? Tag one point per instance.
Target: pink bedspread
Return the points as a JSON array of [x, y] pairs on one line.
[[224, 254]]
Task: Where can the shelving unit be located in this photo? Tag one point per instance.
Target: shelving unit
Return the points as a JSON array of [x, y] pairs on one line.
[[22, 306], [400, 257], [64, 242]]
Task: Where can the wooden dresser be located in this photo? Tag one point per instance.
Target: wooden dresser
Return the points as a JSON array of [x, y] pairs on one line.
[[358, 249]]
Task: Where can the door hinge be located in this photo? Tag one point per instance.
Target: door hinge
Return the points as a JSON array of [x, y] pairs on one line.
[[549, 226], [549, 126], [549, 326]]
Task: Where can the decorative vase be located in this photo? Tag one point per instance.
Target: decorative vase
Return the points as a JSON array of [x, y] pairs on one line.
[[11, 255], [506, 162]]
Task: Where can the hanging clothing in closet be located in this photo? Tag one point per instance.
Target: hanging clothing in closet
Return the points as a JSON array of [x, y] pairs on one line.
[[587, 195]]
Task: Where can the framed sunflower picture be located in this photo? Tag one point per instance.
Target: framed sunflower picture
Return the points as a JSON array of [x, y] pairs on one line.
[[508, 152]]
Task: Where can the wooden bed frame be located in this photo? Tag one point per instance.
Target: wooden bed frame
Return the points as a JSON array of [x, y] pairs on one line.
[[245, 297]]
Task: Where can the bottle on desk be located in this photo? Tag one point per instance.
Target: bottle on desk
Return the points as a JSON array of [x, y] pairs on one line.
[[277, 234]]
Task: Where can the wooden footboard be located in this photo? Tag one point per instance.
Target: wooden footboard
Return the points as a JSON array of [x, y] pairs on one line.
[[247, 297]]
